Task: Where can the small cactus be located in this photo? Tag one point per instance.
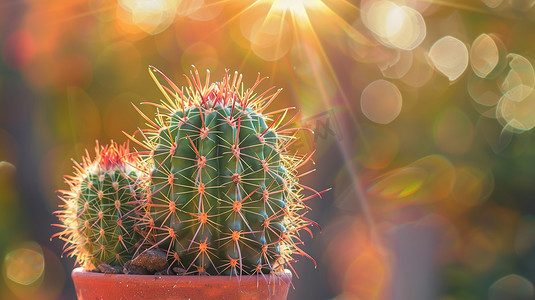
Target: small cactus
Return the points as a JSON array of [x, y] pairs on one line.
[[102, 205], [225, 192]]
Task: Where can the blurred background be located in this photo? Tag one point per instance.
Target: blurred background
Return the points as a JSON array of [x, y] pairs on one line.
[[422, 109]]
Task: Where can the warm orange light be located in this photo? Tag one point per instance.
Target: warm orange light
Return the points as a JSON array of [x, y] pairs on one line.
[[296, 7]]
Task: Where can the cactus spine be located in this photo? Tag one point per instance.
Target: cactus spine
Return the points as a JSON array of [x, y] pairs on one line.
[[225, 192], [101, 208]]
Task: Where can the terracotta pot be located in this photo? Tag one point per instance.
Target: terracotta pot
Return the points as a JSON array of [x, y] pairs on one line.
[[90, 285]]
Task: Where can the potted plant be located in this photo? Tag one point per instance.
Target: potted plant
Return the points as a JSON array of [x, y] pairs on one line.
[[210, 208]]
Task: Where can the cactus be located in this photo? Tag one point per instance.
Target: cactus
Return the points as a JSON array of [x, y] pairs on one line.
[[225, 196], [218, 189], [100, 210]]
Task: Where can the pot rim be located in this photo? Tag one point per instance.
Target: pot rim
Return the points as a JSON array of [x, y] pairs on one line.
[[285, 276]]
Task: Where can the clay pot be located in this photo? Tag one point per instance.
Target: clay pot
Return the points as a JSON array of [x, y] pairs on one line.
[[90, 285]]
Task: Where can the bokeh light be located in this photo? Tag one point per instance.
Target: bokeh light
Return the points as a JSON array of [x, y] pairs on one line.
[[472, 186], [398, 66], [517, 105], [396, 26], [511, 286], [429, 179], [350, 250], [151, 16], [203, 10], [449, 56], [24, 265], [486, 53], [493, 3], [381, 101], [188, 7], [420, 72], [271, 38], [483, 92], [18, 49], [517, 115], [399, 184], [519, 81]]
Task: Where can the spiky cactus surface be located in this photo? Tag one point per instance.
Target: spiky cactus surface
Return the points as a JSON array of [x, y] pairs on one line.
[[225, 192], [102, 205], [218, 189]]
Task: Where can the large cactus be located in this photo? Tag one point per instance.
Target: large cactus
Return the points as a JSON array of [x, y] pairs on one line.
[[102, 206], [225, 192]]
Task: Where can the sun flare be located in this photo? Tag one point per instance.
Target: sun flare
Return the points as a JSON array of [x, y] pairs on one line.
[[296, 7]]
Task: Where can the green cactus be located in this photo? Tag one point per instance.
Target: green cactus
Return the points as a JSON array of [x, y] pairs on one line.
[[102, 207], [225, 192]]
